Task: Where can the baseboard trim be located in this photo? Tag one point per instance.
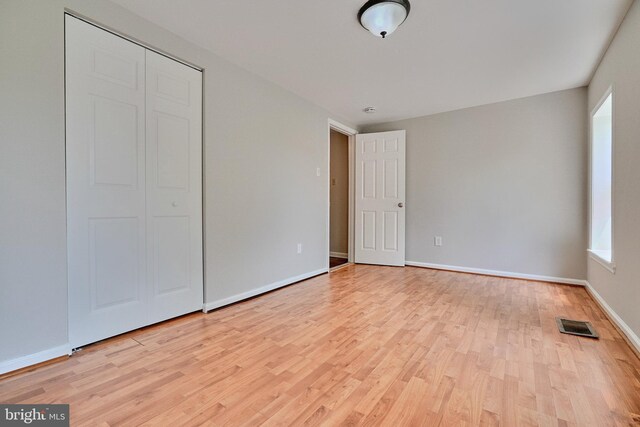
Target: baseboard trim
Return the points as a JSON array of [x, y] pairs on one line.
[[254, 292], [627, 333], [34, 359], [339, 255], [509, 274]]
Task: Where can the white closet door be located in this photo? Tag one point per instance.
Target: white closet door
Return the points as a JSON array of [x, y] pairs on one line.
[[174, 187], [134, 186], [105, 125]]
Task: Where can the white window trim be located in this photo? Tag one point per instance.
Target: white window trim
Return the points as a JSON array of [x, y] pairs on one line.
[[607, 264]]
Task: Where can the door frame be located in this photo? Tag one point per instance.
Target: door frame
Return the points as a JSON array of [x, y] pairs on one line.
[[351, 136]]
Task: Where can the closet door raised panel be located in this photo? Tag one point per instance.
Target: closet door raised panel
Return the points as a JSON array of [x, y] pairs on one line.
[[174, 187], [106, 221]]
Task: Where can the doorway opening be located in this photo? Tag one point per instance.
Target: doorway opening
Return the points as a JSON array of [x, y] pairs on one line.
[[341, 146], [338, 199]]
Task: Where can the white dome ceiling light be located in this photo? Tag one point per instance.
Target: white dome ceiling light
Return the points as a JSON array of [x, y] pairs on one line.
[[383, 17]]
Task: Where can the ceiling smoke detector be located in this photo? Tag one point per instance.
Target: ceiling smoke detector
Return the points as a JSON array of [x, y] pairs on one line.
[[370, 110]]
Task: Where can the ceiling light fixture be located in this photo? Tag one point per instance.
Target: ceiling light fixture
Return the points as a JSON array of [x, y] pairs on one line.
[[383, 17]]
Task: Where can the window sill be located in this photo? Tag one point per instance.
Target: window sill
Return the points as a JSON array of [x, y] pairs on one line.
[[609, 265]]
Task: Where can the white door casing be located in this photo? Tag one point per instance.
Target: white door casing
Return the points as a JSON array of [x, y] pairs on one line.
[[380, 198], [113, 246]]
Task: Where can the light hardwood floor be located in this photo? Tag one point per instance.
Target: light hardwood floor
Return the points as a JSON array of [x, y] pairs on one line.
[[364, 345]]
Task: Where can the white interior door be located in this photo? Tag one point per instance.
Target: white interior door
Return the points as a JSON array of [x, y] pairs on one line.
[[380, 198], [106, 226], [174, 187], [134, 187]]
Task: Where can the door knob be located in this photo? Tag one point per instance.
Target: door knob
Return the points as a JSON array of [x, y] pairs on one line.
[[400, 205]]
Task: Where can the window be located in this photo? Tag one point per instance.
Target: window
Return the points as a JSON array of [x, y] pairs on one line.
[[601, 182]]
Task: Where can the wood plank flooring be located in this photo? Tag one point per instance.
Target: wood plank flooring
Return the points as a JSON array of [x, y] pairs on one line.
[[364, 345]]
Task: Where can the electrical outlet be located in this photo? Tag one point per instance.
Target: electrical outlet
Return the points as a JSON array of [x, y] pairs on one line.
[[317, 171], [299, 248], [437, 241]]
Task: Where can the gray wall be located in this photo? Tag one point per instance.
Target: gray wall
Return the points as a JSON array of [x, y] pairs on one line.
[[503, 184], [262, 195], [620, 67]]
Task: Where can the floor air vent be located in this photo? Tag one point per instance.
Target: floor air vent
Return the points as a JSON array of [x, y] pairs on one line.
[[576, 327]]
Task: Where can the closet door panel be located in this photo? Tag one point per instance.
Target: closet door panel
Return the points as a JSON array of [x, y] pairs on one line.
[[106, 221], [174, 187]]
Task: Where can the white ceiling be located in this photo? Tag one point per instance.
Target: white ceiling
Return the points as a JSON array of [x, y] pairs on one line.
[[449, 54]]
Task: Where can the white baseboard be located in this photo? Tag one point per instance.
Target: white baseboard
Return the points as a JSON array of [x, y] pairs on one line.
[[252, 293], [613, 316], [509, 274], [34, 359], [339, 255]]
